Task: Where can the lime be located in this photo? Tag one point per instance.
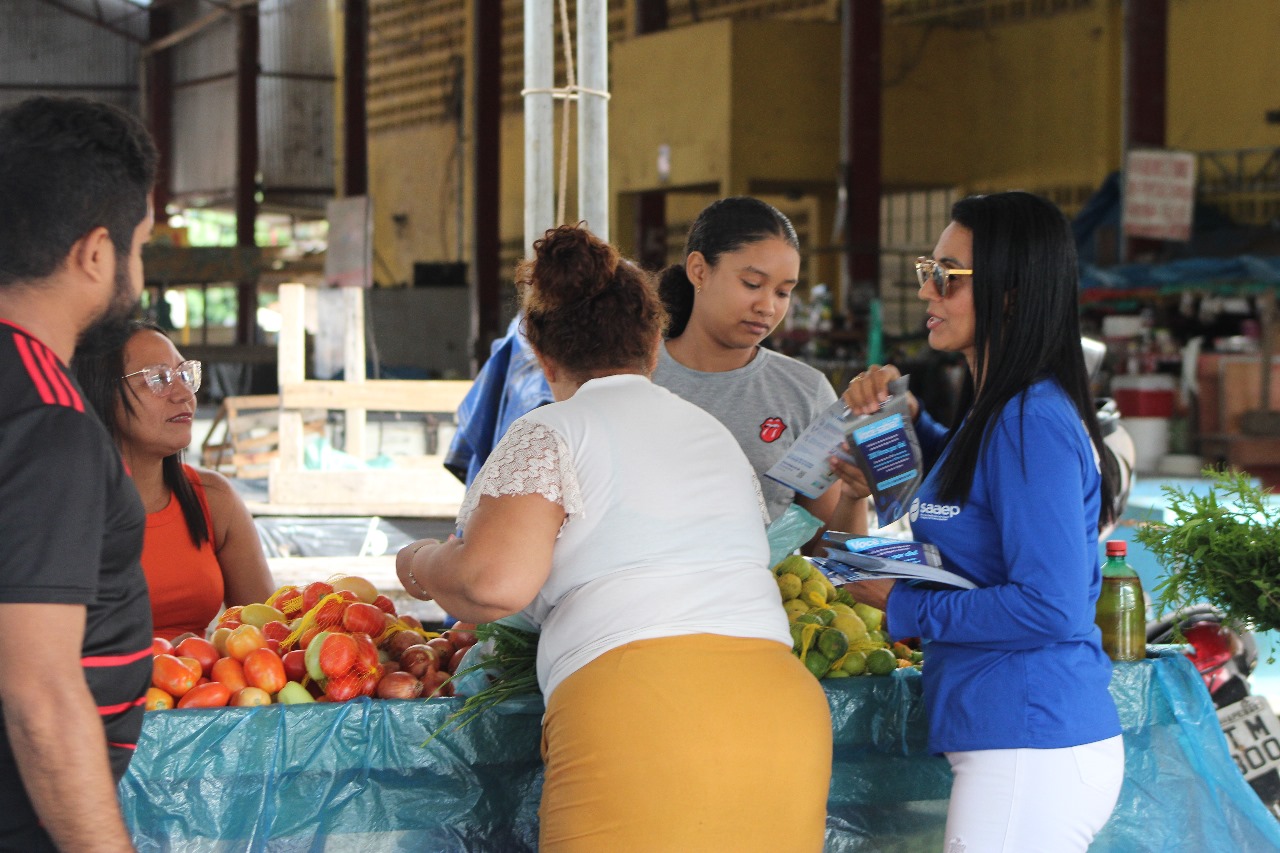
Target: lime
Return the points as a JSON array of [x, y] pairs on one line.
[[817, 663], [855, 663], [836, 673], [850, 625], [795, 607], [832, 643], [828, 587], [813, 592], [843, 597], [809, 618], [796, 635], [866, 644], [841, 608], [789, 586], [872, 617], [796, 565], [881, 662], [826, 614], [917, 657]]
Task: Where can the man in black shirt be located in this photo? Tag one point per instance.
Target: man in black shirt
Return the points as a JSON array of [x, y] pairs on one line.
[[75, 623]]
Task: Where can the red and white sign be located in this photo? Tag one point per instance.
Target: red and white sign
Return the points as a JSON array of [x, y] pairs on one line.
[[1159, 194]]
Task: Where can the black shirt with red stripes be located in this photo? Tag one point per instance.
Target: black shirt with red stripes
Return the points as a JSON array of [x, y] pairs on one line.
[[71, 527]]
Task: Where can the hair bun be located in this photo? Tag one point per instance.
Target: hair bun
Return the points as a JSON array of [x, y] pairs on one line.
[[571, 265]]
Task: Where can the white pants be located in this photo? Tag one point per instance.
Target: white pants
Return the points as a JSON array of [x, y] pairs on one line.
[[1032, 800]]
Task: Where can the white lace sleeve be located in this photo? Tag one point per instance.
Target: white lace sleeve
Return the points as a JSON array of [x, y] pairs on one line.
[[531, 459]]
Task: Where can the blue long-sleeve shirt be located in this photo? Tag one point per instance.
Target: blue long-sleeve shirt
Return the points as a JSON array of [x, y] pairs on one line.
[[1018, 661]]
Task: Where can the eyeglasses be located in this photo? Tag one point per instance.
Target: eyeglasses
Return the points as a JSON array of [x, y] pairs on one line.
[[160, 378], [930, 271]]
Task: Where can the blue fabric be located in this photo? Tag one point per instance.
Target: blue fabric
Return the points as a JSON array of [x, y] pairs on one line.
[[1016, 662], [509, 385]]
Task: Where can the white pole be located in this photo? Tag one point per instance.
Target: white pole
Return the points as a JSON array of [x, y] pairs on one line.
[[539, 118], [593, 116]]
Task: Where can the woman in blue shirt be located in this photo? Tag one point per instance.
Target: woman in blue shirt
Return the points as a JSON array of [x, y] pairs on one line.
[[1016, 682]]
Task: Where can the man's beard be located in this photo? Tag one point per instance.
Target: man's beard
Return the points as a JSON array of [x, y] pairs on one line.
[[122, 308]]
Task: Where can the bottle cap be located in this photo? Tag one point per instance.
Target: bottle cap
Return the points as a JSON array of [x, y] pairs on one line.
[[1116, 548]]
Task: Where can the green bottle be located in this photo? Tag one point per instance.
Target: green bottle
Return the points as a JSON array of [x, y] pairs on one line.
[[1121, 611]]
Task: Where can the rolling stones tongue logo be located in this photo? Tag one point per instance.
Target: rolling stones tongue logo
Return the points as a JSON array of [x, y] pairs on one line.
[[771, 430]]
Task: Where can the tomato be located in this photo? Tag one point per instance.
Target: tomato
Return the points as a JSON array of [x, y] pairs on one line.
[[219, 639], [366, 652], [313, 592], [295, 665], [193, 665], [243, 640], [171, 675], [211, 695], [161, 646], [308, 635], [158, 700], [231, 614], [385, 604], [361, 618], [276, 630], [200, 649], [343, 687], [328, 614], [230, 672], [288, 600], [410, 622], [264, 669], [338, 655], [250, 697]]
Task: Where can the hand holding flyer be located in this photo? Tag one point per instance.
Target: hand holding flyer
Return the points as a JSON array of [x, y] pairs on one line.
[[885, 448]]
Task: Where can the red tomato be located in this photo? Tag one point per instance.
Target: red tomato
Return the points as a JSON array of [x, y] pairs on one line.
[[343, 687], [338, 655], [366, 652], [308, 635], [200, 649], [194, 665], [313, 592], [348, 595], [171, 675], [288, 600], [161, 646], [210, 695], [264, 669], [410, 622], [361, 618], [295, 665], [219, 639], [230, 672], [243, 640], [385, 604], [276, 630], [158, 700], [328, 614]]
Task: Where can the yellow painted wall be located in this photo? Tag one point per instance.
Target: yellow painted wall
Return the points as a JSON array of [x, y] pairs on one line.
[[1224, 74], [1031, 104], [785, 121], [671, 88]]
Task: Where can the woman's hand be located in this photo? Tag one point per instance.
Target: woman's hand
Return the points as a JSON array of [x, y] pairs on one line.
[[404, 567], [875, 593], [870, 388]]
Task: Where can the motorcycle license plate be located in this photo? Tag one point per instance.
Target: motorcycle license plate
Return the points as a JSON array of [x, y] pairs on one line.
[[1253, 736]]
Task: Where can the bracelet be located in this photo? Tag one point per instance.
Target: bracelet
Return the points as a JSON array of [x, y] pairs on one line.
[[408, 572]]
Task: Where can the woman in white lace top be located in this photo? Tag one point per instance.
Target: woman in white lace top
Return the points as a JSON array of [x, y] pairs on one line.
[[629, 526]]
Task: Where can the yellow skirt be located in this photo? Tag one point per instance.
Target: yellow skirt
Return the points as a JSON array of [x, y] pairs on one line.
[[694, 743]]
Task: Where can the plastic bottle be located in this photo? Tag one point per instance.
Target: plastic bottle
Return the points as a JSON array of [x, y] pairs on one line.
[[1121, 611]]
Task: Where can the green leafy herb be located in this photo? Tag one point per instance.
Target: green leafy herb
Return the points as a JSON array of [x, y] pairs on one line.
[[1222, 547], [511, 668]]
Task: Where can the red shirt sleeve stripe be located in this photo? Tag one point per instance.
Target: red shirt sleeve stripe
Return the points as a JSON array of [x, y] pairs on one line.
[[108, 710], [33, 369], [119, 745], [66, 394], [115, 660]]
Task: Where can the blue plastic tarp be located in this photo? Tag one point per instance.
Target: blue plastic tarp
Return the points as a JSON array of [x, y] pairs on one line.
[[355, 776]]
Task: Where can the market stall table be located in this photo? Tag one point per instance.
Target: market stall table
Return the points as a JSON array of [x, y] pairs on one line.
[[356, 777]]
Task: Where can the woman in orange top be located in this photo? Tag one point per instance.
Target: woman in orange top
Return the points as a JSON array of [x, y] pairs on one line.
[[201, 548]]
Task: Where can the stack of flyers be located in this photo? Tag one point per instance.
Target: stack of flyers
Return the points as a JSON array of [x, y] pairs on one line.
[[858, 558]]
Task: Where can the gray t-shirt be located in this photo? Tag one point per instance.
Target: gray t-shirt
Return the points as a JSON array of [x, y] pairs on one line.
[[766, 405]]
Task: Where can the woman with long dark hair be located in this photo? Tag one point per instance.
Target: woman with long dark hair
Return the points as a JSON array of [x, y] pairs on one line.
[[201, 549], [1016, 682]]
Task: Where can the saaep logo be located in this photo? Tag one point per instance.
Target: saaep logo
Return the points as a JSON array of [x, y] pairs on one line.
[[932, 512]]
